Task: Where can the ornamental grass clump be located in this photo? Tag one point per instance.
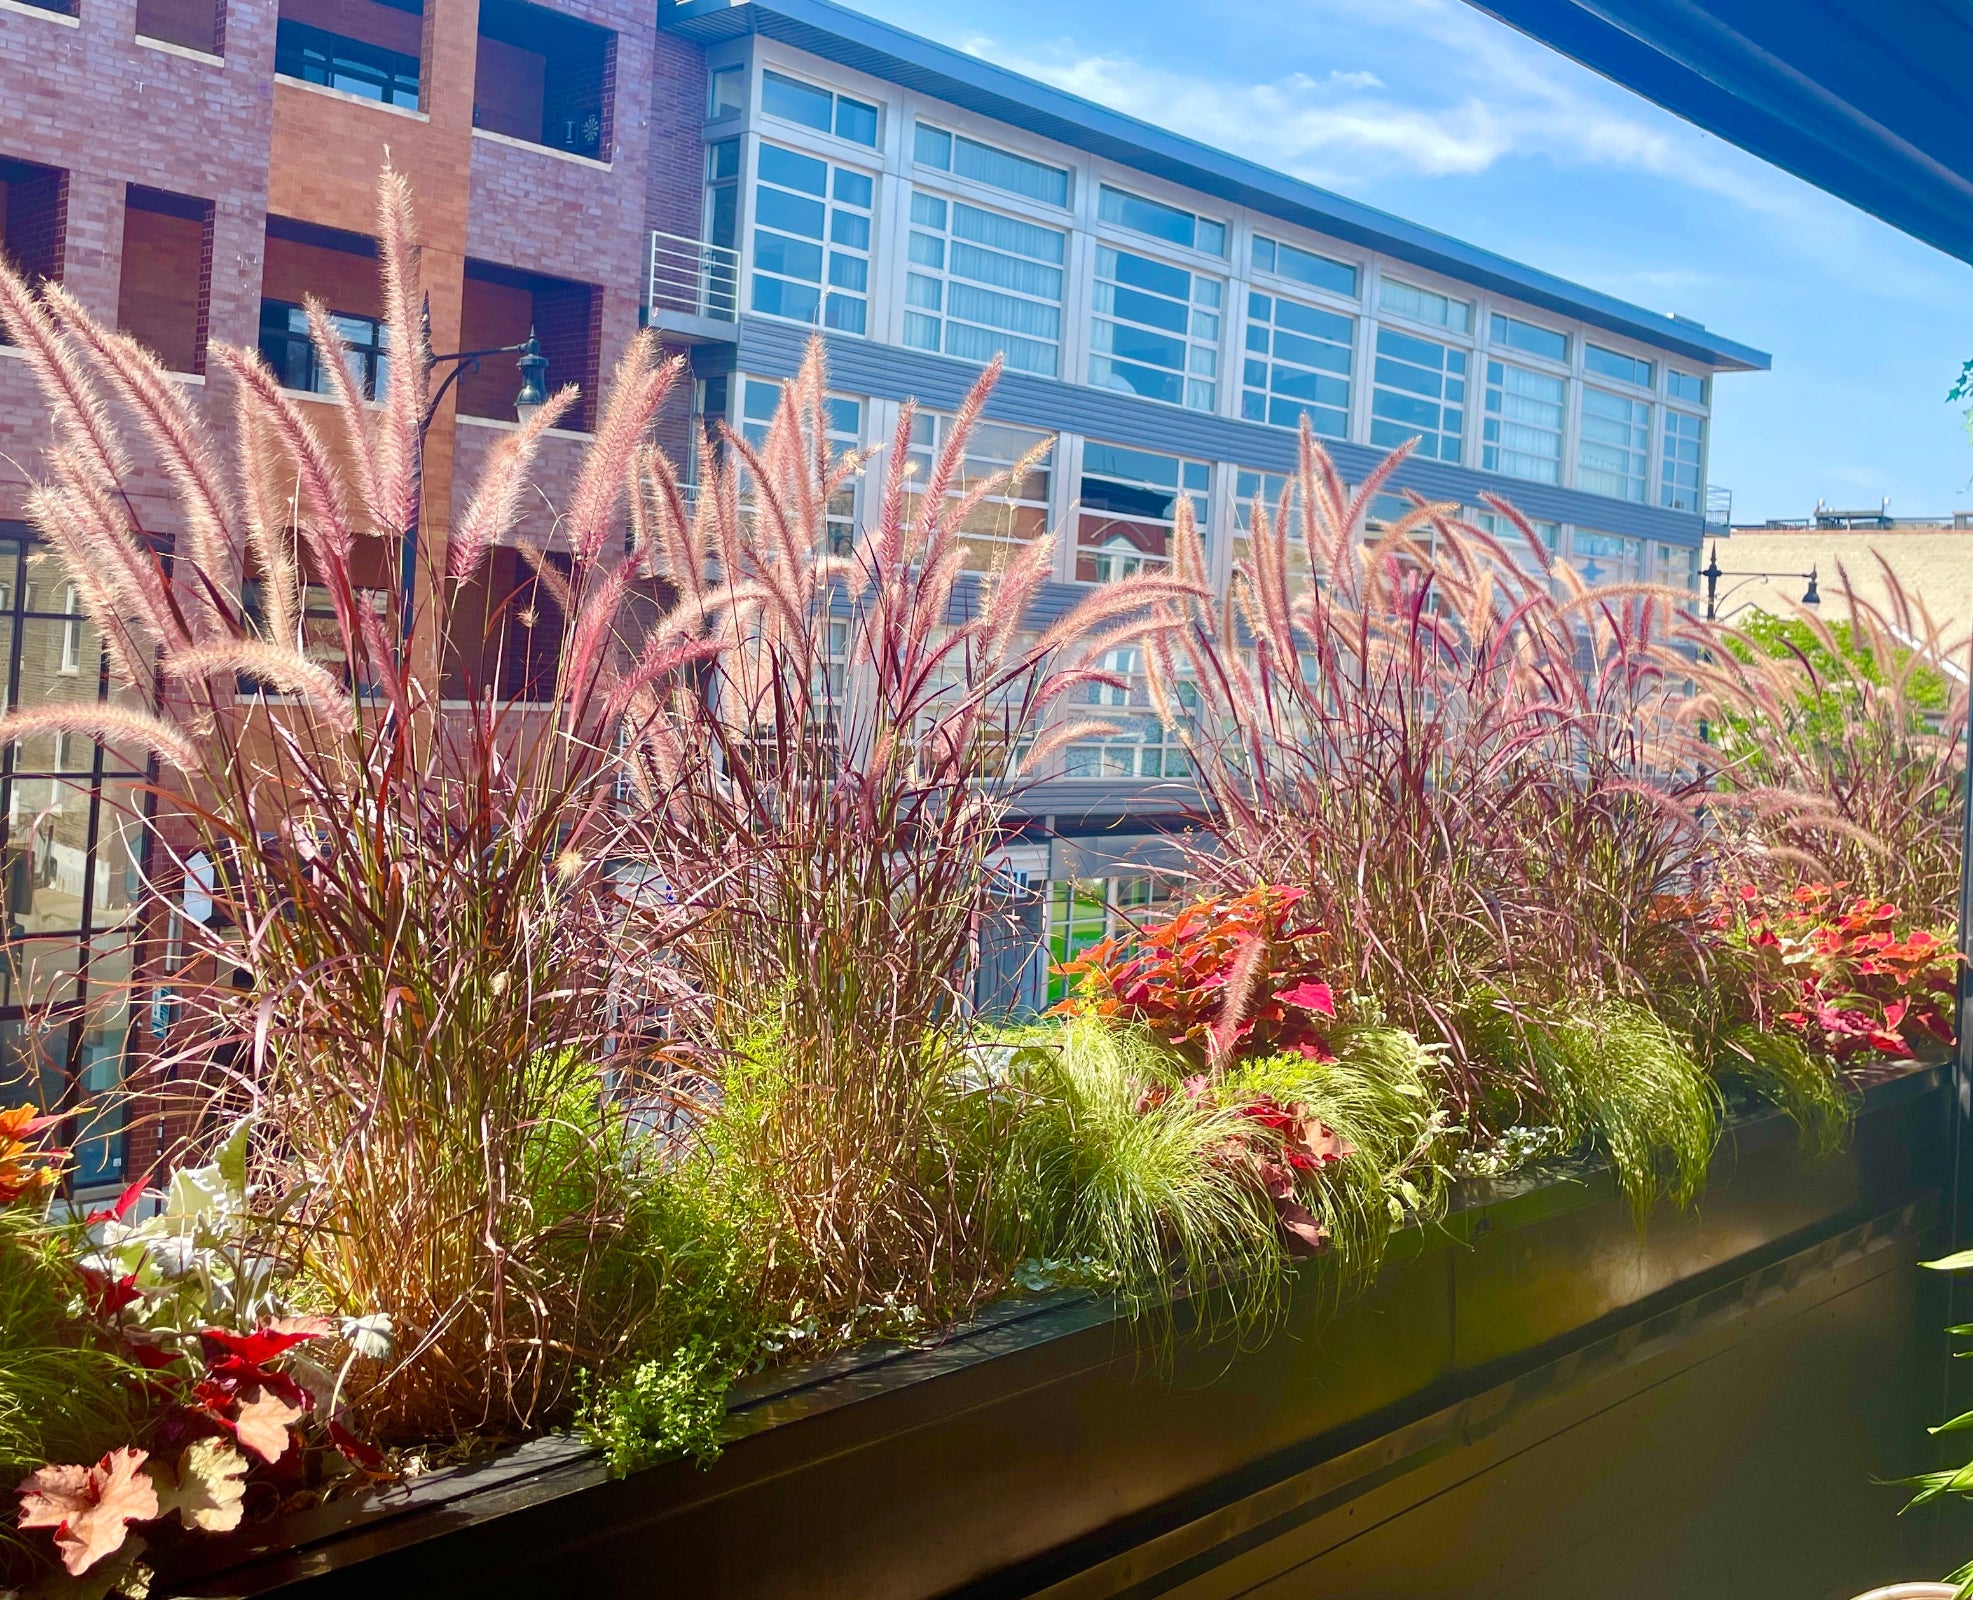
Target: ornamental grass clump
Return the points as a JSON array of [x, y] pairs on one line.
[[437, 963], [1474, 766], [1845, 739], [831, 804]]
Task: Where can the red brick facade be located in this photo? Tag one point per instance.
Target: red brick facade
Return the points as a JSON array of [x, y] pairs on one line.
[[215, 145]]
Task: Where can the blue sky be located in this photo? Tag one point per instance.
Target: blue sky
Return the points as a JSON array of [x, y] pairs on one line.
[[1433, 111]]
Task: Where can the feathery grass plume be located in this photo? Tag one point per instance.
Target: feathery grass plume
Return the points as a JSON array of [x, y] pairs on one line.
[[1805, 1087], [1129, 1191], [843, 776], [448, 981], [1843, 737]]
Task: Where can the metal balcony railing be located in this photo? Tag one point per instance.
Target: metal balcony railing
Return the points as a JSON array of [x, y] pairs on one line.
[[689, 275]]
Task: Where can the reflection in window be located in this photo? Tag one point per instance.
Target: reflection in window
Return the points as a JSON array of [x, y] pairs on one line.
[[1084, 911], [1156, 331], [1129, 507], [1297, 365], [811, 240], [288, 348], [1002, 523], [71, 835], [1419, 393]]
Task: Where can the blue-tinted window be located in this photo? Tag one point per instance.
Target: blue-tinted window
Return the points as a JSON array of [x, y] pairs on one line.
[[1156, 220], [1304, 266], [1537, 341], [794, 101]]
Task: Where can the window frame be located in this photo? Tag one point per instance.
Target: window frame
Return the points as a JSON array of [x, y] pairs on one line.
[[874, 144]]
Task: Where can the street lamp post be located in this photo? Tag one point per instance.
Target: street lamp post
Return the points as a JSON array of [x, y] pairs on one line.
[[1712, 572], [533, 396]]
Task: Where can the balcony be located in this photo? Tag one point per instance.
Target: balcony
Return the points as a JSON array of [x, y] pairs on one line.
[[692, 290]]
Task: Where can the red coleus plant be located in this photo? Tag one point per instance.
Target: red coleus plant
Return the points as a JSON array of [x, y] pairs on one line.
[[1852, 976], [1276, 1143], [1225, 976]]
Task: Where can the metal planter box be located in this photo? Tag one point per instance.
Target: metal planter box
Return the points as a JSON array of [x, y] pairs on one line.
[[1533, 1400]]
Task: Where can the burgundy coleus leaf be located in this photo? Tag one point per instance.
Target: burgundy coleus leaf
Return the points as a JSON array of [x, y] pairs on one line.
[[365, 1456], [1309, 996], [121, 1209], [232, 1376], [261, 1346], [104, 1295], [1305, 1234]]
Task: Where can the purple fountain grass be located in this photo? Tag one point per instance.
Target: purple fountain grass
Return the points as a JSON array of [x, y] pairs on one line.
[[839, 803], [439, 959], [1476, 766], [1844, 739]]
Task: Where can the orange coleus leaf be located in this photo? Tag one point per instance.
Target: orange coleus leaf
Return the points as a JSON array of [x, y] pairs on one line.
[[89, 1507]]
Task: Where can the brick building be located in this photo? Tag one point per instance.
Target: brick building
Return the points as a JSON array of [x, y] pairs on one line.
[[738, 175]]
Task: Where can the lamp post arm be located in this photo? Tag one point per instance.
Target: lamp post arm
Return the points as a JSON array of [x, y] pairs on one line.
[[462, 361]]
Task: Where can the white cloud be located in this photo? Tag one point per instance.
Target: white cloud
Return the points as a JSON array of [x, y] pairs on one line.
[[1468, 95]]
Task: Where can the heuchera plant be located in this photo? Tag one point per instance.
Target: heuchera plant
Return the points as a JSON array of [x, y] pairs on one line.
[[232, 1407], [1852, 976], [1226, 976]]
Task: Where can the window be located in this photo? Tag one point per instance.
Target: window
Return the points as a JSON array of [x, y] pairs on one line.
[[1685, 449], [285, 343], [1143, 745], [1156, 332], [1613, 452], [722, 219], [1267, 488], [1297, 364], [1526, 336], [1676, 566], [195, 24], [71, 631], [1523, 429], [1549, 533], [811, 240], [1606, 557], [1419, 392], [727, 91], [989, 164], [1422, 305], [1303, 266], [71, 857], [351, 65], [1001, 524], [982, 285], [843, 427], [1615, 364], [1684, 386], [1129, 504], [1156, 220], [794, 101], [1082, 911]]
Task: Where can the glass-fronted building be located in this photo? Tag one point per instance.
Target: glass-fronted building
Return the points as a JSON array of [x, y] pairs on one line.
[[1169, 314]]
